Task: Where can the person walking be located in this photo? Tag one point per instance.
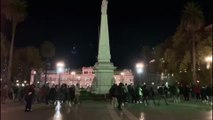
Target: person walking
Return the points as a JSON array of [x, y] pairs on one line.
[[77, 93], [52, 94], [72, 94], [162, 94], [29, 98], [4, 93], [131, 90], [145, 95], [120, 95], [152, 95], [114, 93], [140, 93]]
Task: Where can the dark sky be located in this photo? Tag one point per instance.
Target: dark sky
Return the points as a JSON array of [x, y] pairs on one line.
[[72, 25]]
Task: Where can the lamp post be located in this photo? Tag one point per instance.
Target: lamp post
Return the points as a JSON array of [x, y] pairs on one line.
[[32, 79], [73, 75], [151, 61], [122, 77], [139, 68], [60, 69], [208, 60]]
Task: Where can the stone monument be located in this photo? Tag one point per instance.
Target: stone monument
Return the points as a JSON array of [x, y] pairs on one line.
[[104, 69]]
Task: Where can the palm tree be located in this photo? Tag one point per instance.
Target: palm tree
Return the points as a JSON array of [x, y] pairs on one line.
[[14, 11], [192, 21], [47, 52], [4, 56]]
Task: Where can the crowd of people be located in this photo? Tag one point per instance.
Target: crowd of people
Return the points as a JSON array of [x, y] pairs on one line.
[[34, 94], [121, 94]]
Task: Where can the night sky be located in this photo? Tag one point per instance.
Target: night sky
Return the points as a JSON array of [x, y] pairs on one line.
[[72, 25]]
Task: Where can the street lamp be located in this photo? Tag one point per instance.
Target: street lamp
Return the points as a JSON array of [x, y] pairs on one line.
[[32, 77], [60, 69], [208, 60], [147, 71], [73, 75], [139, 68], [122, 77]]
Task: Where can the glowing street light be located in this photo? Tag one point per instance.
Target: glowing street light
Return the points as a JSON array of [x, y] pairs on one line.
[[208, 60], [122, 73], [122, 77], [73, 75], [153, 83], [60, 69], [139, 68], [73, 72]]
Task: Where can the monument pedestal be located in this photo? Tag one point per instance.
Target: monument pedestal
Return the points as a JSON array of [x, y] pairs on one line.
[[103, 77], [104, 69]]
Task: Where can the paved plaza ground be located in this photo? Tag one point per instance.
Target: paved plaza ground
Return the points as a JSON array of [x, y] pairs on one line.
[[97, 110]]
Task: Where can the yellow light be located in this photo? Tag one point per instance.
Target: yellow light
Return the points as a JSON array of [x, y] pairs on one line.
[[60, 64], [139, 65], [208, 59], [73, 73]]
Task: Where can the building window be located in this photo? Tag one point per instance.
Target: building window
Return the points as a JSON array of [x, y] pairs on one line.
[[85, 72]]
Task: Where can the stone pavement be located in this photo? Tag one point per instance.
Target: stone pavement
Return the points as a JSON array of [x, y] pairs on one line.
[[97, 110]]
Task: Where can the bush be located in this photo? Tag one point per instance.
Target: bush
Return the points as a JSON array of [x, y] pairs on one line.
[[85, 95]]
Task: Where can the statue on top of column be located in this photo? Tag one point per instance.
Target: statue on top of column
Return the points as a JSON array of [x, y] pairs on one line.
[[104, 6]]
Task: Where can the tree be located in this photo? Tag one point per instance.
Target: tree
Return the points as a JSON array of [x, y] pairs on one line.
[[4, 56], [47, 52], [14, 11], [192, 21], [26, 59]]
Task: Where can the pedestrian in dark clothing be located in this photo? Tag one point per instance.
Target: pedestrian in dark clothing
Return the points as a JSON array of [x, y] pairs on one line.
[[113, 94], [203, 94], [120, 95], [47, 91], [162, 94], [72, 93], [145, 95], [209, 93], [186, 92], [29, 98], [197, 92], [152, 95], [52, 95], [131, 93]]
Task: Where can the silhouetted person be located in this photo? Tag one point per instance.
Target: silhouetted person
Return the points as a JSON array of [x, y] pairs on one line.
[[77, 93], [186, 92], [29, 98], [131, 93], [52, 95], [152, 95], [162, 94], [113, 94], [120, 95], [72, 93]]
